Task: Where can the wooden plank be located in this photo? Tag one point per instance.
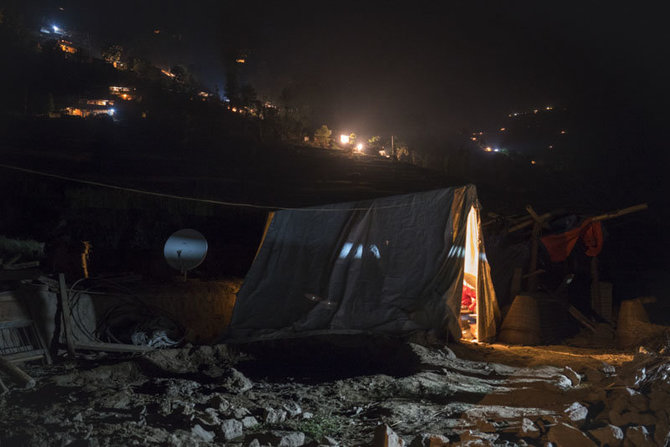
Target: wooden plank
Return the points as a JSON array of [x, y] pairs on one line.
[[43, 345], [581, 318], [65, 304], [113, 347], [528, 223], [17, 375], [621, 212], [22, 265], [25, 356], [11, 261]]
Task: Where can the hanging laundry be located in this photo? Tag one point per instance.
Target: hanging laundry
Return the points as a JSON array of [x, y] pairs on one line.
[[561, 245]]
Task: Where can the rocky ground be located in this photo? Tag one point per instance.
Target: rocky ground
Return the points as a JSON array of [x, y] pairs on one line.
[[423, 396]]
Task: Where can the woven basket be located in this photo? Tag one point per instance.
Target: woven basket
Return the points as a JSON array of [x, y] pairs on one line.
[[522, 323], [633, 327]]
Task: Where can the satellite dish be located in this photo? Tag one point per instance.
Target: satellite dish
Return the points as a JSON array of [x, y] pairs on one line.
[[185, 250]]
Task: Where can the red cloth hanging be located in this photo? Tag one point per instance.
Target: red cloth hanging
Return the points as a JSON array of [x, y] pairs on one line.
[[561, 245]]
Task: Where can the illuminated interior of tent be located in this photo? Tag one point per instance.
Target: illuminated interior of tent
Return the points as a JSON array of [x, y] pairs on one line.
[[470, 268]]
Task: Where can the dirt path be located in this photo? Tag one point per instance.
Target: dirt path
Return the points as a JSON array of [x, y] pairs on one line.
[[484, 395]]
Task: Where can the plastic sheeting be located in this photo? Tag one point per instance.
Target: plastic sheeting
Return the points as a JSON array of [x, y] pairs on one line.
[[390, 265]]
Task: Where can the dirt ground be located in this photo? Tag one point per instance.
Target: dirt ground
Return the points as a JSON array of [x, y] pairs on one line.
[[463, 394]]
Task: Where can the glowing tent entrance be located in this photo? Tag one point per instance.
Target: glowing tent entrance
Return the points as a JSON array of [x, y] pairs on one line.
[[468, 317], [393, 265]]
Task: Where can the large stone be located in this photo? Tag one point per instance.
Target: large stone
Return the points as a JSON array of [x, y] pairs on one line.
[[273, 416], [219, 403], [293, 439], [292, 408], [241, 412], [386, 437], [577, 412], [477, 438], [562, 382], [563, 434], [121, 400], [201, 434], [607, 369], [209, 417], [231, 429], [637, 436], [429, 440], [277, 439], [249, 422], [237, 382], [638, 401], [610, 435], [528, 429], [594, 375], [570, 373]]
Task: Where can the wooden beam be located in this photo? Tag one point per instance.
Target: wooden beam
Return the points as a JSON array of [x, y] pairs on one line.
[[581, 318], [16, 374], [528, 222], [65, 304], [22, 266], [534, 248], [621, 212], [113, 347], [25, 356]]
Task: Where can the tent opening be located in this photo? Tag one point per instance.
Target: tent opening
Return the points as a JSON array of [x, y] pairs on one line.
[[470, 292]]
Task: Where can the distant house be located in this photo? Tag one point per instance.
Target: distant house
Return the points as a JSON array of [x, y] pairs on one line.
[[91, 108], [67, 47], [125, 93], [168, 73]]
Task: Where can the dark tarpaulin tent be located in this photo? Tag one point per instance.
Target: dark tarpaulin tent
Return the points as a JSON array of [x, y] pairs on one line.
[[392, 265]]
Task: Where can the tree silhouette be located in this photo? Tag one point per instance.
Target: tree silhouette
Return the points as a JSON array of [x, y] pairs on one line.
[[322, 136]]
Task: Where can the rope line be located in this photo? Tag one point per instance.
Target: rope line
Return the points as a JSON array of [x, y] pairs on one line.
[[185, 198]]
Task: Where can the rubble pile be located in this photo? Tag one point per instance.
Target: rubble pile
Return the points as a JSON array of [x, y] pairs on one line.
[[202, 396]]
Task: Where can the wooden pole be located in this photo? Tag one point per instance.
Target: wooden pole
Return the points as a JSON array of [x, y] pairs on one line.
[[534, 247], [538, 222], [528, 222], [621, 212], [65, 304], [17, 375], [596, 305]]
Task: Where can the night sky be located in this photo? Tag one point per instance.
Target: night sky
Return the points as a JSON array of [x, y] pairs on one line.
[[412, 70]]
